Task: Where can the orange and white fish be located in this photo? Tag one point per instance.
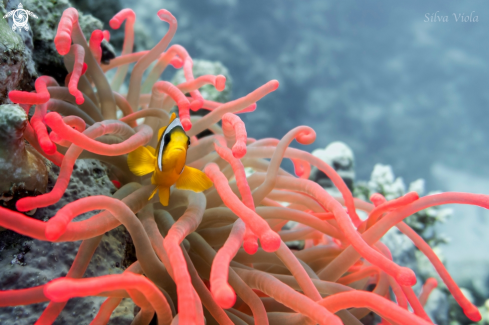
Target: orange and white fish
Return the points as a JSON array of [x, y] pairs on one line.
[[168, 163]]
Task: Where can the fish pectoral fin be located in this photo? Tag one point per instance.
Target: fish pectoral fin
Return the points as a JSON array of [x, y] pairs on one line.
[[194, 180], [164, 194], [153, 193], [152, 150], [141, 161]]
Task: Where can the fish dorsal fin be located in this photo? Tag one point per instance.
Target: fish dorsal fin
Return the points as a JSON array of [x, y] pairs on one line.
[[194, 180], [162, 129], [141, 161], [160, 132], [175, 122]]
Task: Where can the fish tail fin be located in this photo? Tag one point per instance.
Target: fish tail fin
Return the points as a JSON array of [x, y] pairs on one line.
[[194, 180], [141, 161], [164, 194]]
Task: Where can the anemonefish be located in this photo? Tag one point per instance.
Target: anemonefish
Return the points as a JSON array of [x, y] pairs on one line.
[[168, 163]]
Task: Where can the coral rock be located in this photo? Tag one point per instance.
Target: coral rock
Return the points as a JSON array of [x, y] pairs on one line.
[[21, 166]]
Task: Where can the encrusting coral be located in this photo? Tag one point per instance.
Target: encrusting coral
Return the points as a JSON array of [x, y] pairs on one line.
[[189, 253]]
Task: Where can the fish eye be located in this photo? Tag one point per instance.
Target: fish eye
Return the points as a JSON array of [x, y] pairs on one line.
[[188, 142]]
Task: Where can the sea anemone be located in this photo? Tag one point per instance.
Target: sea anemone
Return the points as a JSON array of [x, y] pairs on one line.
[[189, 253]]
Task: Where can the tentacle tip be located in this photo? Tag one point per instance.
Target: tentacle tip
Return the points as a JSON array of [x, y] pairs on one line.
[[224, 296], [270, 241], [115, 23], [406, 277], [196, 105], [432, 281], [187, 125], [165, 15], [414, 195], [248, 109], [52, 117], [239, 150], [13, 96], [54, 230], [116, 183], [377, 199], [250, 247], [23, 205], [79, 99], [62, 44], [84, 68], [53, 291], [473, 313], [177, 63], [274, 84], [307, 137], [48, 146], [106, 35], [220, 82]]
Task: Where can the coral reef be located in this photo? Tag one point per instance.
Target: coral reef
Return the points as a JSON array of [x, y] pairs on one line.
[[404, 252], [218, 256], [38, 45], [16, 66], [23, 170], [27, 262]]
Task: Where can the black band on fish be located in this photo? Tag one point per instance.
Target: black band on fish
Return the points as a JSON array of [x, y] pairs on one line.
[[163, 142]]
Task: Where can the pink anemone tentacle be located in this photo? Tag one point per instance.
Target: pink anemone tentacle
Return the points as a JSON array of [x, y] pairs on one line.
[[211, 105], [428, 287], [186, 224], [269, 239], [221, 290], [403, 275], [106, 35], [62, 40], [37, 122], [144, 62], [129, 17], [79, 64], [182, 101], [385, 308], [64, 131], [95, 40], [376, 213], [235, 133], [233, 106], [41, 95], [63, 289], [85, 139]]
